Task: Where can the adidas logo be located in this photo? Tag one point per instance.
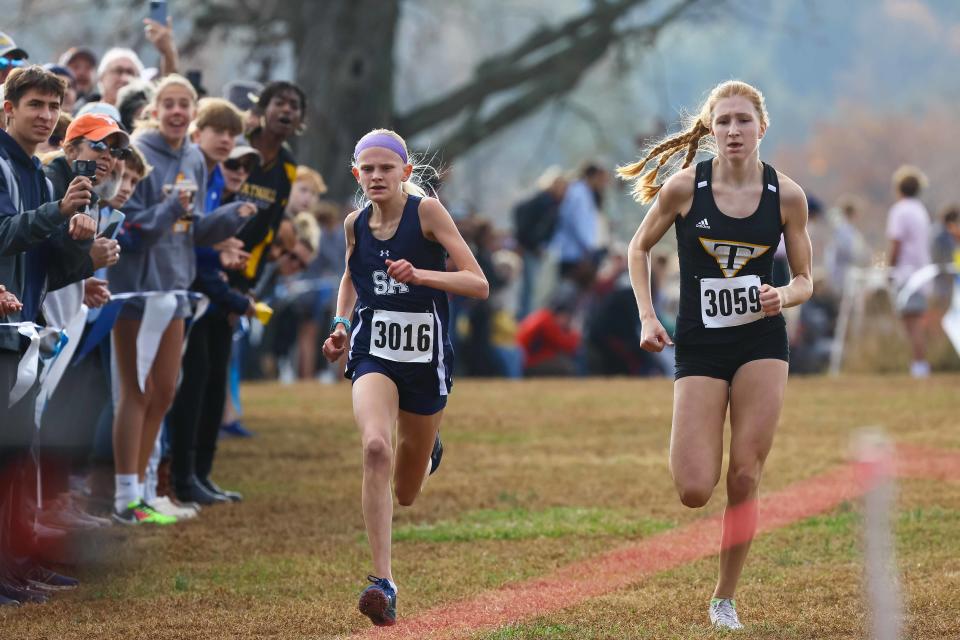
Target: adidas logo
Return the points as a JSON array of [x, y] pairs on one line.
[[703, 224]]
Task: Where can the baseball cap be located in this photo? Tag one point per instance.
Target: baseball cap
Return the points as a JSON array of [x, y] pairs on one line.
[[243, 151], [75, 52], [104, 108], [96, 126], [9, 48], [60, 70]]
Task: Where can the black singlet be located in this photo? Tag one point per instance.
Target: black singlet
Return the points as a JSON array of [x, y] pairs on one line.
[[723, 262]]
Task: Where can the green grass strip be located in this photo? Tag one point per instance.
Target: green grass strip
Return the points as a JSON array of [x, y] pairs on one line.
[[521, 524]]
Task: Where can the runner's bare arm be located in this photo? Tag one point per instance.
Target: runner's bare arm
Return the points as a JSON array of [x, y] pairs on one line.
[[793, 207], [675, 198], [438, 226], [347, 295]]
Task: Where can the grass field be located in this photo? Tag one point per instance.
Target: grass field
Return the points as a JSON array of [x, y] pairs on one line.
[[536, 476]]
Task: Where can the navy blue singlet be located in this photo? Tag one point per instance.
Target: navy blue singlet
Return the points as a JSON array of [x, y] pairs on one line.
[[405, 327]]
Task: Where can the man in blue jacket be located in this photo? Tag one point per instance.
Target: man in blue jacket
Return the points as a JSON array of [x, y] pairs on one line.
[[43, 246]]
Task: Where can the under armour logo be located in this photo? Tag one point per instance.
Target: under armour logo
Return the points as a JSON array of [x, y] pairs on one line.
[[384, 252]]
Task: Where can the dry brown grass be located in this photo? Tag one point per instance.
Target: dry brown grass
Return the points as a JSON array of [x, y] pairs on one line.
[[289, 562]]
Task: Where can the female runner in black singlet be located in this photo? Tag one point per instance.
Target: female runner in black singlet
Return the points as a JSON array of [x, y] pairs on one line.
[[731, 342]]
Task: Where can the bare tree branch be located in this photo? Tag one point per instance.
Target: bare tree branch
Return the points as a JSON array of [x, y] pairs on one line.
[[552, 81], [551, 51], [258, 19]]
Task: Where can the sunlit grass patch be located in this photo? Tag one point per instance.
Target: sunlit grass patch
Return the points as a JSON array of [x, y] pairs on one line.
[[521, 524], [533, 630], [590, 474]]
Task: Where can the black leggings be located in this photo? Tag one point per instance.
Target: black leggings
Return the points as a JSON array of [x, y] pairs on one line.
[[193, 422]]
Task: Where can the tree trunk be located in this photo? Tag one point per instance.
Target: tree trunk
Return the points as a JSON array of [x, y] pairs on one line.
[[344, 53]]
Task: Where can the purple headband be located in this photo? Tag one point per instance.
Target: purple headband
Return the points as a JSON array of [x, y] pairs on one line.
[[382, 140]]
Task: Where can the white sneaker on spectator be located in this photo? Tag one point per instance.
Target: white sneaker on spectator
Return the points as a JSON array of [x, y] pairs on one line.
[[164, 505]]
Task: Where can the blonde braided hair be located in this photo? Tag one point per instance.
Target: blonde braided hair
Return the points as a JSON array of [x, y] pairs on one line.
[[696, 136]]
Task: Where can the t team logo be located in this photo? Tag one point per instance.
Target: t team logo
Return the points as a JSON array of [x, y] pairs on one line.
[[732, 256], [384, 285]]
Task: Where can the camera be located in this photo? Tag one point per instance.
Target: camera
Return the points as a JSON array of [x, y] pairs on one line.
[[85, 168]]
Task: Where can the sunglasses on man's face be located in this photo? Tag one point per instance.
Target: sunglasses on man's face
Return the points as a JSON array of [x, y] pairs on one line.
[[120, 153], [11, 62], [239, 165]]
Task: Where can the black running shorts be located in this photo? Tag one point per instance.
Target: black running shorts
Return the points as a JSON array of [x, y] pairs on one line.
[[722, 360]]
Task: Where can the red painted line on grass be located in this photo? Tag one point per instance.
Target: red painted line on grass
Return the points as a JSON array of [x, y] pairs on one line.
[[596, 576], [922, 462]]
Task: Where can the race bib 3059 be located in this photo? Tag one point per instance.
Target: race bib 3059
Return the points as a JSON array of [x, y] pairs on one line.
[[730, 302]]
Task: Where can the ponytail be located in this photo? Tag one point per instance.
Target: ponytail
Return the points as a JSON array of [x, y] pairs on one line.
[[410, 187], [696, 137], [645, 187]]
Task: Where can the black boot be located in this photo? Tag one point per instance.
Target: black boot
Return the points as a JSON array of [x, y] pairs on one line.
[[196, 492], [211, 486]]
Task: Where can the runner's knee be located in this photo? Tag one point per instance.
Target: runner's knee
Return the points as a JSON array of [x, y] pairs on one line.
[[377, 455], [694, 494], [406, 495], [742, 482]]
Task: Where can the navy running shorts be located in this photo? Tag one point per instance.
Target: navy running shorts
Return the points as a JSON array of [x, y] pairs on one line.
[[412, 400], [722, 360]]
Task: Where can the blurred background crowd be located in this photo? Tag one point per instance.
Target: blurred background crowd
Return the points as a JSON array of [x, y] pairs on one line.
[[225, 263]]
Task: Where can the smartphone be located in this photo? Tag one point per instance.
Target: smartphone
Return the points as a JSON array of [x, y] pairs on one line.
[[158, 11], [113, 225]]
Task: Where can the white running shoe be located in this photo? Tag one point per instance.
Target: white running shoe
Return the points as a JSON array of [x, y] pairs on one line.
[[164, 505], [723, 614]]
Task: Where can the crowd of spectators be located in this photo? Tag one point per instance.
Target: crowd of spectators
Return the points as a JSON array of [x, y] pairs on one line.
[[143, 229], [158, 245]]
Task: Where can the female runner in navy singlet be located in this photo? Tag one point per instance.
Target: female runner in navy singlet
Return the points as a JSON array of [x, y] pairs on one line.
[[731, 343], [395, 288]]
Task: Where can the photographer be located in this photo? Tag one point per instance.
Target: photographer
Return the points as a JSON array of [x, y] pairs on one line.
[[96, 145]]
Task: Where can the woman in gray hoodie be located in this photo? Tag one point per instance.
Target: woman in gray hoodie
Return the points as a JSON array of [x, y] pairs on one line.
[[165, 219]]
